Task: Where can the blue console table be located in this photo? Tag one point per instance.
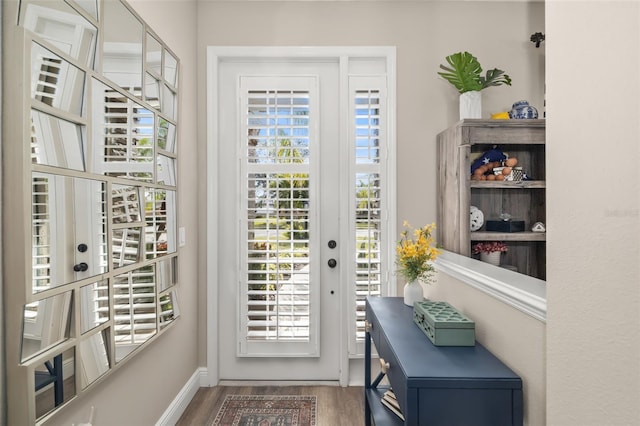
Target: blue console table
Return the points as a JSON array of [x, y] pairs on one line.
[[434, 385]]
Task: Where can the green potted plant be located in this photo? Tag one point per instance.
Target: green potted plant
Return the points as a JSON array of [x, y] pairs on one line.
[[464, 72]]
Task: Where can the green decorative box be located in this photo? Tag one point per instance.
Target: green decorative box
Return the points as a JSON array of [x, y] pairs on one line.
[[443, 324]]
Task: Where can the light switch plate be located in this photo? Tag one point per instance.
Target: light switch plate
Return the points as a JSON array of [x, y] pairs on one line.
[[182, 236]]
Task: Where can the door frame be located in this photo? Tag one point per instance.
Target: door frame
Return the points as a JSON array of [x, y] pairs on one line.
[[217, 54]]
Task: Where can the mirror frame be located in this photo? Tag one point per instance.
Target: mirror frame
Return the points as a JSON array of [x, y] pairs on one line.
[[91, 296]]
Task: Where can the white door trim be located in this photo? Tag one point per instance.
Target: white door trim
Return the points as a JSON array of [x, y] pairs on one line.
[[216, 54]]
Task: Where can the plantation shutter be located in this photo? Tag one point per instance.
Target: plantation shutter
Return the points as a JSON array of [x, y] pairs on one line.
[[368, 138], [279, 314]]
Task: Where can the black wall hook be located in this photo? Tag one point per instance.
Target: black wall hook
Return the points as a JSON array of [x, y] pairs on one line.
[[537, 38]]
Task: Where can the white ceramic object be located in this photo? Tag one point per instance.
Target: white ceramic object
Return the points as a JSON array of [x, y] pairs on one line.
[[413, 293], [470, 105], [492, 258]]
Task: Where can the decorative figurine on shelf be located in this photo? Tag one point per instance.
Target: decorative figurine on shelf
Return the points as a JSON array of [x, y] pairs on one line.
[[490, 156], [522, 110], [538, 227], [495, 165], [476, 219]]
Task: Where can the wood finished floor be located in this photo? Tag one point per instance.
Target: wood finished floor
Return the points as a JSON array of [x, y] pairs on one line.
[[336, 406]]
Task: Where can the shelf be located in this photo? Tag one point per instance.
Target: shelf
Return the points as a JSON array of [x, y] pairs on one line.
[[502, 124], [382, 415], [508, 236], [464, 143], [531, 184]]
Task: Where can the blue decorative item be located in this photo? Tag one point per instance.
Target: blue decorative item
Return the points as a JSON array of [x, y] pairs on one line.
[[488, 157], [522, 110]]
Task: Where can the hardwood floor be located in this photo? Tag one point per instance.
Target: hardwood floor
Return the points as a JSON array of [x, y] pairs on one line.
[[336, 406]]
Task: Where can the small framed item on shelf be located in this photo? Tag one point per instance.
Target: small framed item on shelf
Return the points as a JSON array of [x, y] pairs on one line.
[[505, 225]]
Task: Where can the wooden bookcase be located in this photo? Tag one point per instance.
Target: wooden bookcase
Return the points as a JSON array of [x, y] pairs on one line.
[[458, 147]]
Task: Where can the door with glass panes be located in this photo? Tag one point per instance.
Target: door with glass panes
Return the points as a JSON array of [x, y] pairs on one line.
[[300, 221]]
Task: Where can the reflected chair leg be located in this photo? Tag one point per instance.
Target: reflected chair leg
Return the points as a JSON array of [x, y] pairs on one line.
[[58, 385]]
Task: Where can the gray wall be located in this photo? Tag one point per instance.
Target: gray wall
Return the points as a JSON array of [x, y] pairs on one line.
[[593, 272]]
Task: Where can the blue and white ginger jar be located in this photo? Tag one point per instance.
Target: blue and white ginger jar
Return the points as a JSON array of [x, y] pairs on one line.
[[522, 110]]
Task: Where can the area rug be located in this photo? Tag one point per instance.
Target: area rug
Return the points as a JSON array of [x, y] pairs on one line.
[[267, 410]]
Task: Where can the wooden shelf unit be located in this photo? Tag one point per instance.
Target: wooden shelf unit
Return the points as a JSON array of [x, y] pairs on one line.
[[458, 148]]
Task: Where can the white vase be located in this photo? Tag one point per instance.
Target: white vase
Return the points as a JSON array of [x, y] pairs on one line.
[[492, 258], [471, 105], [413, 293]]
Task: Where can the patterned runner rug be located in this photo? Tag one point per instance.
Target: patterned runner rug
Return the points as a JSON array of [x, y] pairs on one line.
[[267, 410]]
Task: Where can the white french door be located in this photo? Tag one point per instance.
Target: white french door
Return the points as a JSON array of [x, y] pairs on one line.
[[302, 234]]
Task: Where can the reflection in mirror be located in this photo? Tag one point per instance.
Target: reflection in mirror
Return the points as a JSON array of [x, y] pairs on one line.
[[168, 102], [167, 273], [124, 132], [55, 82], [61, 26], [160, 218], [45, 324], [56, 142], [94, 358], [166, 135], [90, 6], [122, 49], [170, 68], [152, 91], [134, 309], [166, 170], [55, 382], [154, 54], [94, 305], [126, 246], [125, 202], [169, 310], [68, 229]]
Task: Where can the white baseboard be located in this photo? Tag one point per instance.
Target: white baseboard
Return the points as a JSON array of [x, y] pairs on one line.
[[181, 401]]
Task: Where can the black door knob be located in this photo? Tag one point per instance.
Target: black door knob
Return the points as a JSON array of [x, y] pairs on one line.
[[82, 247], [332, 263], [80, 267], [332, 244]]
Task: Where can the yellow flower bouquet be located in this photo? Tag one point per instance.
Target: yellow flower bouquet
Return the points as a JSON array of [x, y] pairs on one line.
[[415, 254]]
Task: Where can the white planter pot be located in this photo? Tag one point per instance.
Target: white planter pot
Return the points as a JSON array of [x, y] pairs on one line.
[[413, 293], [470, 105], [492, 258]]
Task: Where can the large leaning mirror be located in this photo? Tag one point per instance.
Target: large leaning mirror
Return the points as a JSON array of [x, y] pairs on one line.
[[95, 112]]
